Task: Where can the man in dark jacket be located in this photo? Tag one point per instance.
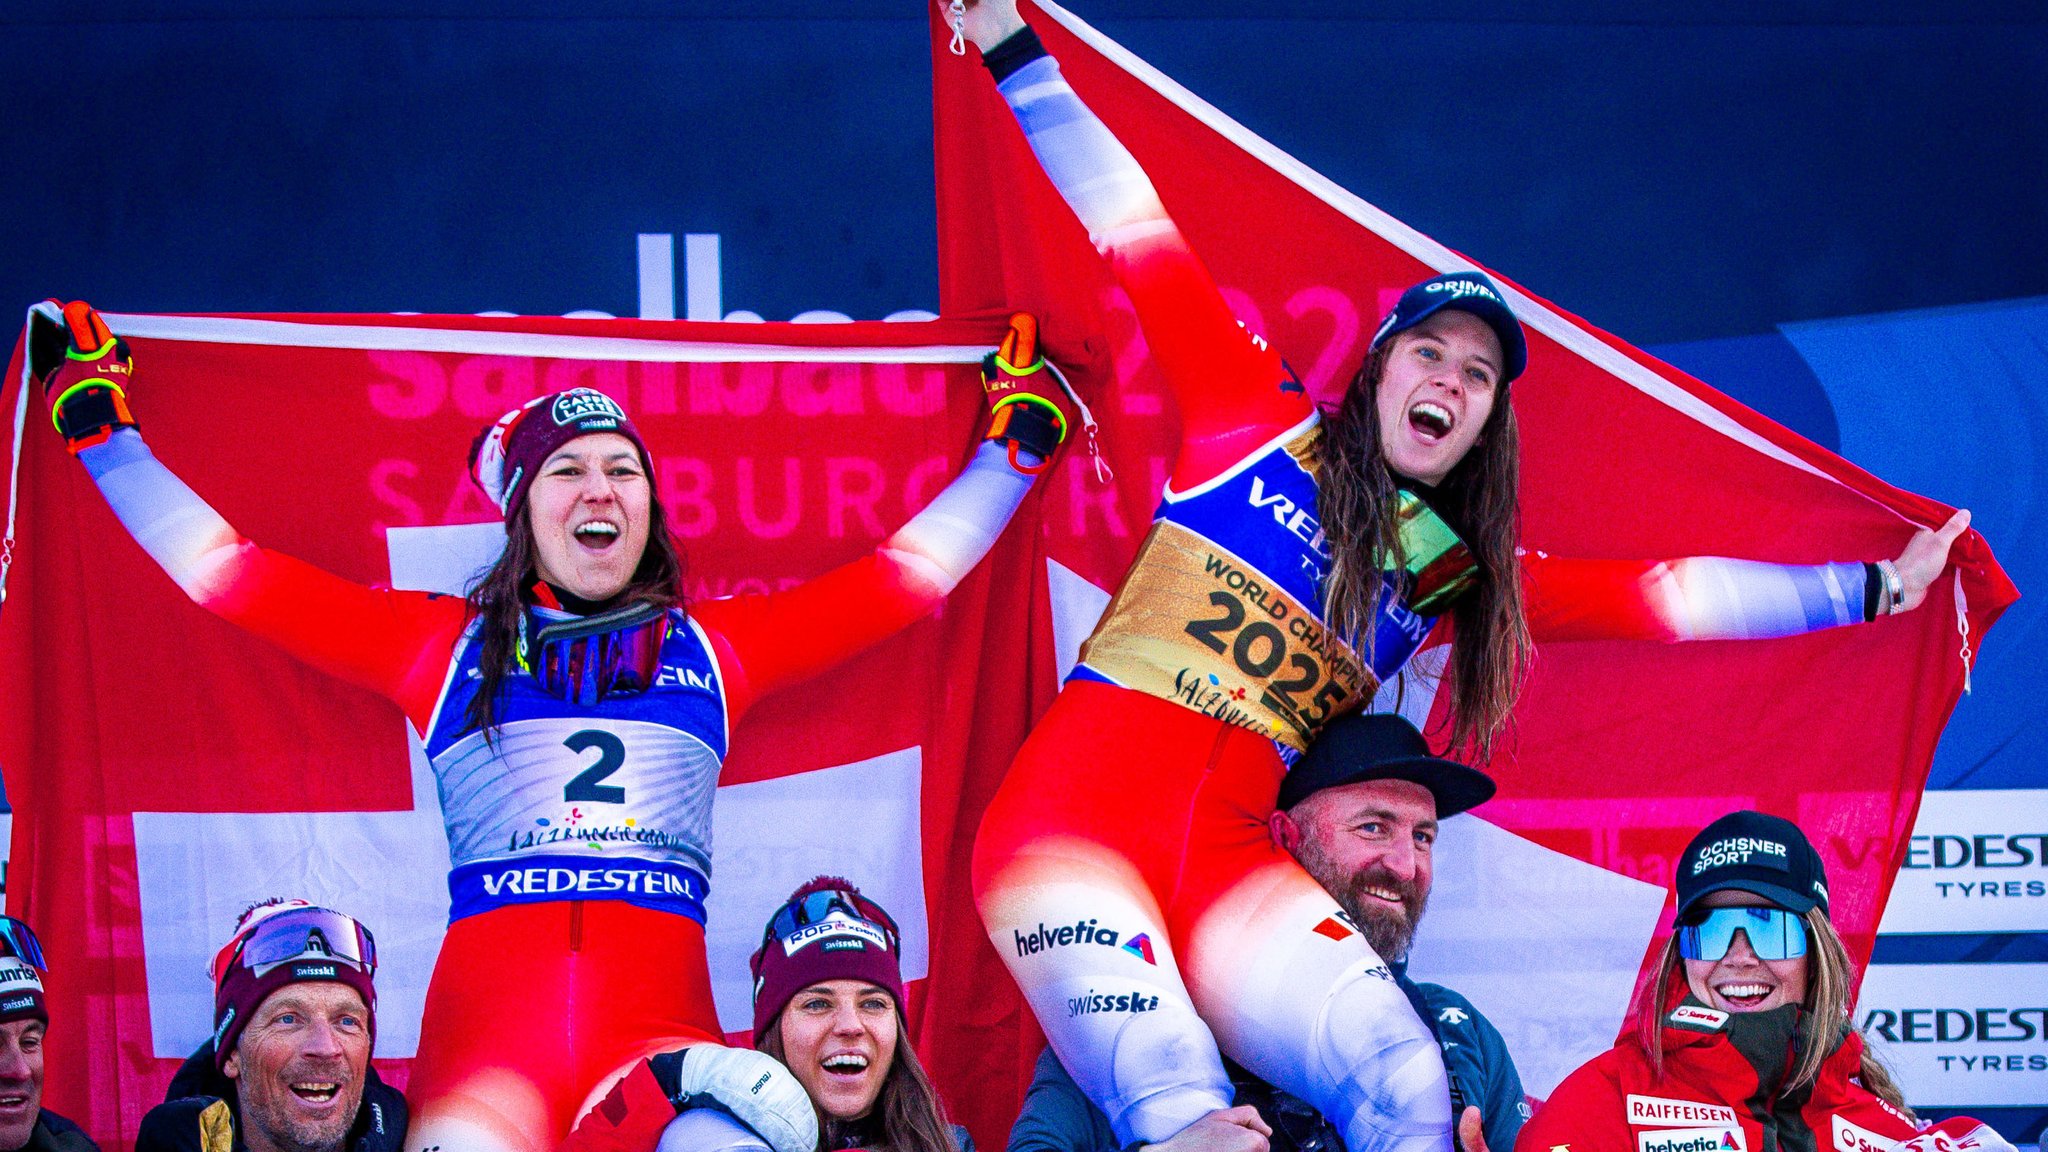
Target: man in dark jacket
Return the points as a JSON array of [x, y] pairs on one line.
[[24, 1018], [1359, 811], [288, 1067]]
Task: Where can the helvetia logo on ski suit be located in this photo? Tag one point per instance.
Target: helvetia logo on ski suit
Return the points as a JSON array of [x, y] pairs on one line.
[[1083, 932], [1691, 1140]]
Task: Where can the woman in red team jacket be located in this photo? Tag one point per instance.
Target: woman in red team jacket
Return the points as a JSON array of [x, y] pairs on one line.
[[1744, 1039]]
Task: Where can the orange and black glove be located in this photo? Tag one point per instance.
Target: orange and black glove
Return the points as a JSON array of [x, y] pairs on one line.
[[83, 369], [1026, 400]]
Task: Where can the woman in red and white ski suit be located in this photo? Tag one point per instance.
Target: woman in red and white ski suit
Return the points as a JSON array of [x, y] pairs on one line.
[[575, 712], [1126, 857]]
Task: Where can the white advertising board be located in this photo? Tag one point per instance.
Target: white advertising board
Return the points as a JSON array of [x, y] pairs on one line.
[[1960, 1035], [1977, 862]]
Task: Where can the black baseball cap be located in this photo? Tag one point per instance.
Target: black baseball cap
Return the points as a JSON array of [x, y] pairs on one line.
[[1470, 292], [1383, 746], [1753, 852]]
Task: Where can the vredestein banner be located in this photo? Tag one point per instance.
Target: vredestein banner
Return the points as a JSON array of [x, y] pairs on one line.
[[1973, 1031]]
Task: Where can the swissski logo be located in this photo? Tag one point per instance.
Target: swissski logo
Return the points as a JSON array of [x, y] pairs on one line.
[[1093, 1002]]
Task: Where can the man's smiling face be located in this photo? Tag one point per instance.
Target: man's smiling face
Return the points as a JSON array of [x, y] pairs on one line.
[[300, 1065], [1368, 844]]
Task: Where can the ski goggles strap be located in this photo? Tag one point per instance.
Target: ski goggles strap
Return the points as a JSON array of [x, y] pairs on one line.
[[615, 653], [1773, 933], [291, 934], [817, 907], [20, 941]]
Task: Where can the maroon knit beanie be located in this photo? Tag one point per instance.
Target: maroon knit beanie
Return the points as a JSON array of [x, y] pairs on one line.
[[239, 989], [826, 930], [507, 454]]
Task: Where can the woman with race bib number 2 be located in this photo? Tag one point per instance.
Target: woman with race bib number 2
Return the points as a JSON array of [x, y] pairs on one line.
[[1294, 565], [572, 682]]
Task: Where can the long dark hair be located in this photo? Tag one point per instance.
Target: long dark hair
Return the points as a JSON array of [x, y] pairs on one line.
[[1823, 1019], [1355, 498], [908, 1115], [500, 597]]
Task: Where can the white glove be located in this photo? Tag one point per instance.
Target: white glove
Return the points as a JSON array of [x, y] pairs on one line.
[[755, 1088], [1958, 1135]]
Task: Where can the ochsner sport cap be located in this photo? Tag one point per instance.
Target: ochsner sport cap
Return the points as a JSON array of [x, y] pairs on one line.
[[1470, 292], [508, 453], [1753, 852]]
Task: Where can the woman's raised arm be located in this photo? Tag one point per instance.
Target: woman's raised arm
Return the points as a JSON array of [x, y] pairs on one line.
[[1716, 598], [1233, 391], [393, 643], [767, 641]]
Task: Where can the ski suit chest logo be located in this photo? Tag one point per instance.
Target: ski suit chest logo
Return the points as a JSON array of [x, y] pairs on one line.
[[1291, 516]]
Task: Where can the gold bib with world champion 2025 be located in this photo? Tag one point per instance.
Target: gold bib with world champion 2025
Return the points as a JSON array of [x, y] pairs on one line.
[[1216, 611]]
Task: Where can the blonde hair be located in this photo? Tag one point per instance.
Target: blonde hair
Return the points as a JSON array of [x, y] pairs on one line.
[[1830, 978]]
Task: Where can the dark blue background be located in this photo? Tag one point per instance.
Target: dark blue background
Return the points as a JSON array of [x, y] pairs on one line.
[[1673, 172]]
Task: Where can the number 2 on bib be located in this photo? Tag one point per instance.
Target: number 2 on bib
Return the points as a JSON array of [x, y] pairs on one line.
[[611, 756]]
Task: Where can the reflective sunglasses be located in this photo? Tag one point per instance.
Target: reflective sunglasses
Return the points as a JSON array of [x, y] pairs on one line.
[[20, 942], [1438, 567], [615, 653], [289, 935], [1774, 933], [817, 907]]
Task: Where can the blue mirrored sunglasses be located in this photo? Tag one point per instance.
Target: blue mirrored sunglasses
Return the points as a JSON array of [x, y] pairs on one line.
[[20, 941], [1773, 933], [816, 907]]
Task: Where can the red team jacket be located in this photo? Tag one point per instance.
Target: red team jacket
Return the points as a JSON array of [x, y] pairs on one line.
[[1721, 1095]]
